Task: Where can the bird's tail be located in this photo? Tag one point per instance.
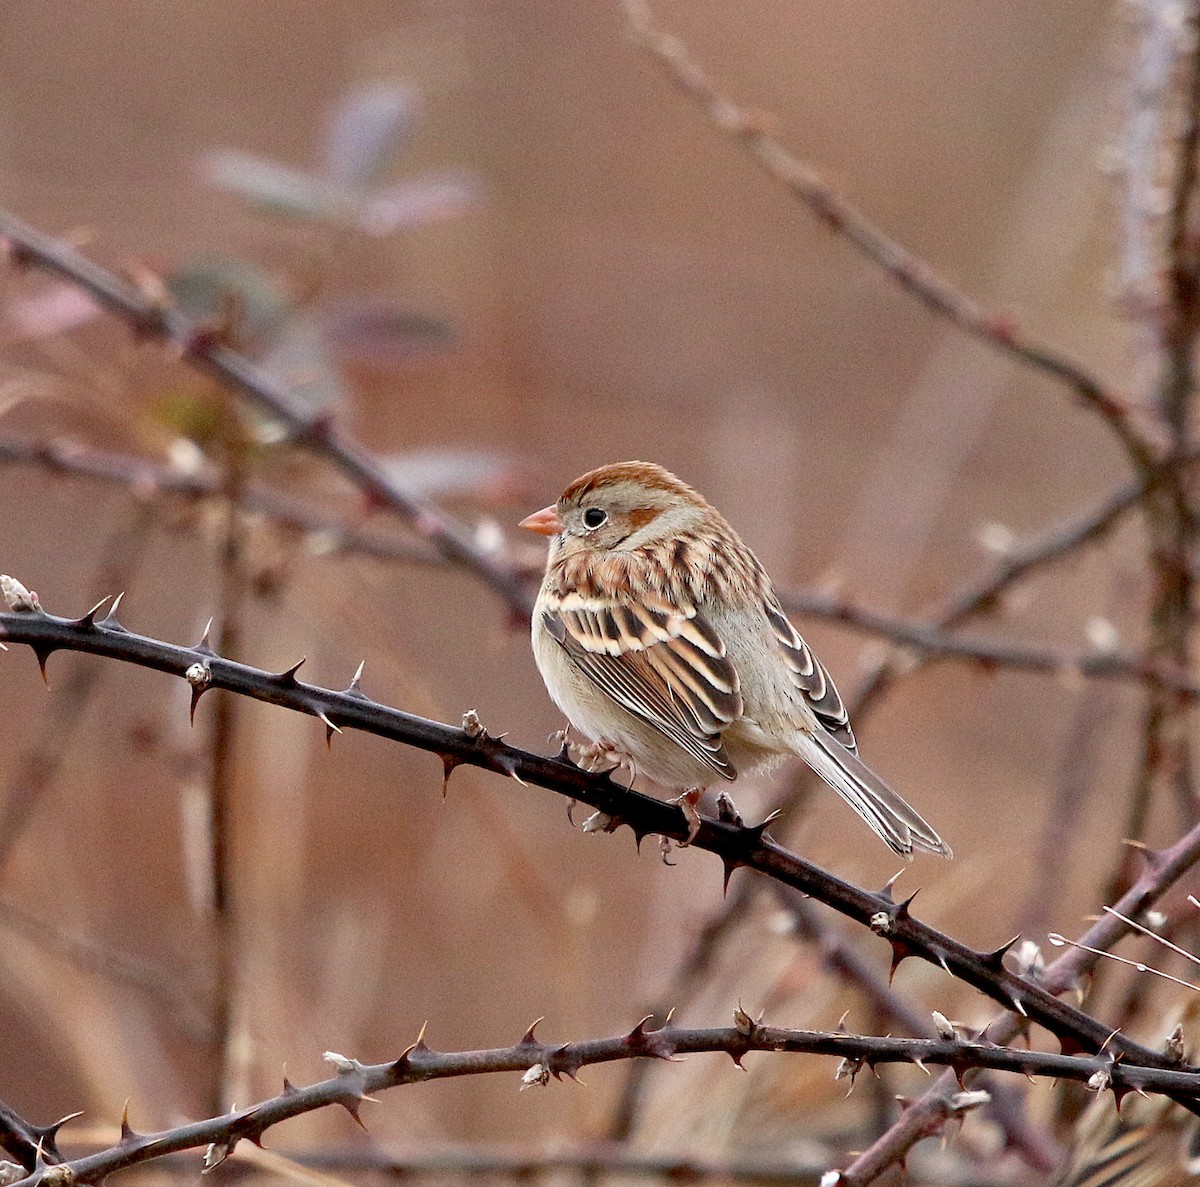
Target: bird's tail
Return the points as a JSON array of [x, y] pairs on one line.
[[900, 826]]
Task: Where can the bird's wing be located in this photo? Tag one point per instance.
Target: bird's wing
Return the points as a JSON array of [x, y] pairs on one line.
[[665, 665], [810, 677]]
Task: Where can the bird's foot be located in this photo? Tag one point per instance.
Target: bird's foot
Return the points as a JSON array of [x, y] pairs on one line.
[[597, 758], [687, 802], [600, 822]]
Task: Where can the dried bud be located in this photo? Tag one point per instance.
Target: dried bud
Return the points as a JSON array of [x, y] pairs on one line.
[[943, 1026], [1102, 634], [340, 1062], [744, 1023], [471, 724], [198, 675], [1099, 1081], [996, 538], [217, 1152], [848, 1068], [597, 822], [831, 1178], [11, 1172], [1173, 1046], [1027, 957], [16, 597], [538, 1076], [881, 923]]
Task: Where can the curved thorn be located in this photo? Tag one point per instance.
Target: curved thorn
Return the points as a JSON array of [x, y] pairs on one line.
[[330, 728], [89, 619], [197, 693], [288, 676], [355, 689], [205, 645], [449, 762], [110, 619], [530, 1039], [43, 653]]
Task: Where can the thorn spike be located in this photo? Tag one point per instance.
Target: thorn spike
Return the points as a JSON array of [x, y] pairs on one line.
[[205, 645], [288, 676], [355, 688], [330, 728], [197, 693], [530, 1039], [89, 619], [730, 866], [43, 654], [449, 762], [995, 960]]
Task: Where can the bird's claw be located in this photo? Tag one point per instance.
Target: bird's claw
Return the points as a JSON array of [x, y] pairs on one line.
[[687, 802]]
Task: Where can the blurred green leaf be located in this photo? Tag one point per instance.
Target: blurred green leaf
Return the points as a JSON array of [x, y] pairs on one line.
[[208, 288]]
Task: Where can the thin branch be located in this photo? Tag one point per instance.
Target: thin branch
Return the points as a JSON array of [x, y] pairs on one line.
[[736, 845], [539, 1062], [913, 274], [201, 349], [926, 638]]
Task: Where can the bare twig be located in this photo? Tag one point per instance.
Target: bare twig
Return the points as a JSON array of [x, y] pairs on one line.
[[539, 1062], [924, 638], [913, 274], [203, 350]]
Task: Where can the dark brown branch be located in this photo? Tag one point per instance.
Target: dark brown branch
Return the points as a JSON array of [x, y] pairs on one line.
[[204, 351], [736, 845], [911, 273], [539, 1062]]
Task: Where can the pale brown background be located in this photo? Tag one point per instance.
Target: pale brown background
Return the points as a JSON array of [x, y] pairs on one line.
[[630, 285]]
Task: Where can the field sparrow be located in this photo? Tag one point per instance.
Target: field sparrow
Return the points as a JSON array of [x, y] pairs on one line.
[[660, 637]]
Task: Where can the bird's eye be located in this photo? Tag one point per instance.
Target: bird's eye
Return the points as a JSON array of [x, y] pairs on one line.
[[594, 517]]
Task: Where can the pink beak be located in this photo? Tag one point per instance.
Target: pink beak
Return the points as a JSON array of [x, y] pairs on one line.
[[545, 522]]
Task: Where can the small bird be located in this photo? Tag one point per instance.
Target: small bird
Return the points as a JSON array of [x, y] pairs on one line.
[[661, 638]]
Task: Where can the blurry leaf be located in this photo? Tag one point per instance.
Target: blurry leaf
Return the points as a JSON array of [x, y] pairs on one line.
[[366, 132], [479, 474], [55, 309], [208, 288], [300, 358], [430, 198], [379, 333], [188, 413], [275, 188]]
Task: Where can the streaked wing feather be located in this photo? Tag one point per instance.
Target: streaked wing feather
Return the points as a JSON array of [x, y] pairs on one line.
[[811, 678], [666, 667]]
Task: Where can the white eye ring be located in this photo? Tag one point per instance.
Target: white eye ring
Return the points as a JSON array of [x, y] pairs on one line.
[[594, 517]]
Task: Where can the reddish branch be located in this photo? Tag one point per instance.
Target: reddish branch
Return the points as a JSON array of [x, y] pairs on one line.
[[928, 637], [913, 274], [205, 351], [539, 1062]]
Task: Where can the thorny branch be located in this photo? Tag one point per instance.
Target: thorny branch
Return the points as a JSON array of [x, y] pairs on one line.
[[539, 1062], [737, 845], [926, 637], [913, 274]]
